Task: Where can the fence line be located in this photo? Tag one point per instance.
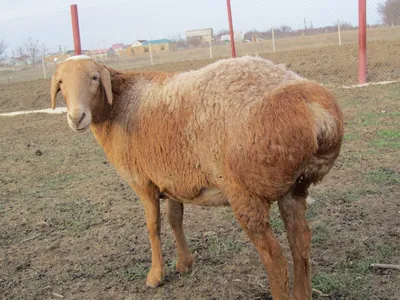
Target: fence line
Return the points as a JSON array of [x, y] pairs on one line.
[[275, 42]]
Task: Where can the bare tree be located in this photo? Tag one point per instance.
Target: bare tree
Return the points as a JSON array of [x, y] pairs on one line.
[[249, 34], [20, 51], [179, 42], [194, 41], [33, 50], [21, 54], [390, 12], [285, 29], [221, 33], [3, 48], [43, 50]]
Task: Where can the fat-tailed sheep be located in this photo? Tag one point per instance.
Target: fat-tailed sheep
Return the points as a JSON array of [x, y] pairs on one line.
[[242, 132]]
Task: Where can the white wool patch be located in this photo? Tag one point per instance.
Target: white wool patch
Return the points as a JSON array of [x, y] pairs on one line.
[[77, 57]]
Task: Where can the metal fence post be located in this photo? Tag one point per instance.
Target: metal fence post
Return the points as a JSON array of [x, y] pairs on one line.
[[75, 29], [362, 41], [228, 4]]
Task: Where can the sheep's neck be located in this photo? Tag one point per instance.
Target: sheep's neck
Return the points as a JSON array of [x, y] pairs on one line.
[[107, 122], [102, 121]]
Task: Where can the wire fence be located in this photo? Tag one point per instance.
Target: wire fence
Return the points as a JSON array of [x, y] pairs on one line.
[[317, 40]]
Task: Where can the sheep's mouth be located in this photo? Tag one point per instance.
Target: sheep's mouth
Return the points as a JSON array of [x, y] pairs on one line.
[[82, 129]]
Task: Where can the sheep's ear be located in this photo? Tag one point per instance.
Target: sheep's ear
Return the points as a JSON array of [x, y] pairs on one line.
[[105, 79], [55, 88]]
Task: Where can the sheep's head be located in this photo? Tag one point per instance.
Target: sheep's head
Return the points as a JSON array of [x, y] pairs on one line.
[[84, 85]]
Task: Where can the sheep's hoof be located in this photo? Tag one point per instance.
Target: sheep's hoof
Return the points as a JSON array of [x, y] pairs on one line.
[[155, 277], [183, 265]]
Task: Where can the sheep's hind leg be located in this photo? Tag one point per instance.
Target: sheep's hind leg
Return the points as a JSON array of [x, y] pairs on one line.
[[175, 218], [292, 208], [253, 214], [151, 203]]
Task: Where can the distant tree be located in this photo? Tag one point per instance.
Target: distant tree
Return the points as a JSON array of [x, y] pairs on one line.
[[194, 42], [33, 50], [3, 48], [390, 12], [259, 34], [21, 54], [223, 32], [285, 29], [346, 25], [249, 34], [43, 51], [181, 44], [179, 41], [20, 51]]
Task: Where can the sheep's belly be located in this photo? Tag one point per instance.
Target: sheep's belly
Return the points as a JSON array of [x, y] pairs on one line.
[[206, 197]]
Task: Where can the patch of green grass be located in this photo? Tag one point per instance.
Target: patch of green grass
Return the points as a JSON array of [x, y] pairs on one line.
[[313, 209], [336, 196], [361, 267], [384, 177], [349, 277], [393, 94], [352, 137], [227, 214], [389, 134], [349, 285], [348, 280], [276, 221], [381, 143], [137, 272], [387, 139], [320, 234], [384, 252], [76, 216], [328, 283], [277, 225], [170, 267], [63, 180], [218, 246], [373, 118], [369, 119], [393, 114]]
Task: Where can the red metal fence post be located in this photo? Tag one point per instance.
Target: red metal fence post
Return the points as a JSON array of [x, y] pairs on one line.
[[362, 41], [228, 3], [75, 29]]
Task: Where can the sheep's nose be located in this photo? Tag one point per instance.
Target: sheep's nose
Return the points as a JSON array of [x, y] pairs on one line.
[[77, 119]]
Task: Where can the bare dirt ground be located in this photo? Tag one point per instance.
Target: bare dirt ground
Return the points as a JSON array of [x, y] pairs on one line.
[[70, 227]]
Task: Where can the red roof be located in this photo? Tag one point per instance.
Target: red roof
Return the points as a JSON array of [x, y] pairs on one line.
[[118, 46], [22, 58]]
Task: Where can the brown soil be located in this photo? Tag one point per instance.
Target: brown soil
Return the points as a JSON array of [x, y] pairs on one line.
[[70, 226]]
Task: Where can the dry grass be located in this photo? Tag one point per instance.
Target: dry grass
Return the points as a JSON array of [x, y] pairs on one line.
[[70, 226]]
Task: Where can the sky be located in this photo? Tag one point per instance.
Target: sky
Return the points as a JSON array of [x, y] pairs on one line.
[[105, 22]]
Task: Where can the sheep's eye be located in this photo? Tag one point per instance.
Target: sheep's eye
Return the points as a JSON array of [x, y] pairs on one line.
[[95, 77], [60, 81]]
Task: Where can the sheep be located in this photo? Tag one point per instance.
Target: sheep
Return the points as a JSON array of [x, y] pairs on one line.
[[243, 132]]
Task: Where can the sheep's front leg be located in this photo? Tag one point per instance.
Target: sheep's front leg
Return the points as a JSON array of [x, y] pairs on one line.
[[175, 218], [253, 214], [292, 209], [151, 203]]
